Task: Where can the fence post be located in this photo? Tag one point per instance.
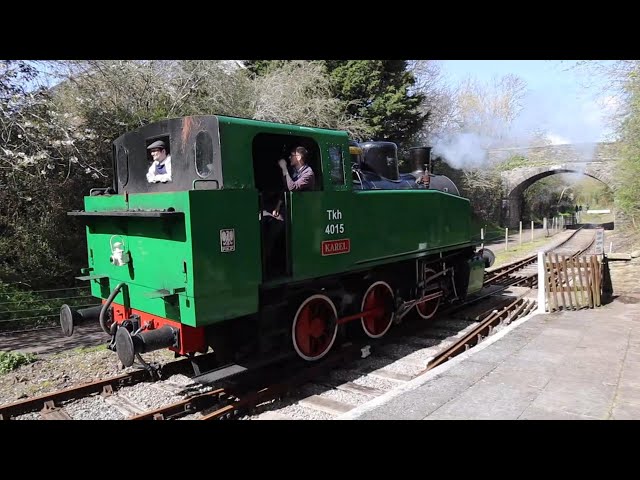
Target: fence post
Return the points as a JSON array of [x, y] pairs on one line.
[[544, 227], [482, 238], [532, 230], [542, 283], [506, 239], [520, 232]]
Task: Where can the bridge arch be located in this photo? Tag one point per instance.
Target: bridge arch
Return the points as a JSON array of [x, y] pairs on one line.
[[514, 198]]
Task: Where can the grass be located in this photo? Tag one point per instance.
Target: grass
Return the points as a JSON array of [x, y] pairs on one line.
[[82, 350], [95, 348], [517, 251], [490, 230]]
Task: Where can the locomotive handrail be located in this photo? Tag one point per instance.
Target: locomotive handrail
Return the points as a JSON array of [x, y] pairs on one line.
[[127, 213], [414, 252], [101, 191]]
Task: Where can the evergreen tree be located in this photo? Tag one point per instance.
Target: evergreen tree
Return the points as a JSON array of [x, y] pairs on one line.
[[376, 92], [260, 68], [379, 92]]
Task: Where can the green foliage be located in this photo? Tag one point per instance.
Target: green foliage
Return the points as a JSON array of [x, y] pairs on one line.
[[491, 229], [263, 67], [299, 92], [593, 194], [42, 172], [376, 92], [20, 309], [57, 142], [379, 92], [541, 199], [628, 194], [10, 361], [516, 161]]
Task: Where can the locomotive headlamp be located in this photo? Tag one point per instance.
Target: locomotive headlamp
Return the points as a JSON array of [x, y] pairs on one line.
[[119, 256]]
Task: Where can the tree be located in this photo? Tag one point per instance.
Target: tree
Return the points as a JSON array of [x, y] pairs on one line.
[[439, 103], [489, 110], [379, 92], [378, 95], [299, 92], [41, 171], [262, 67], [628, 193], [56, 140]]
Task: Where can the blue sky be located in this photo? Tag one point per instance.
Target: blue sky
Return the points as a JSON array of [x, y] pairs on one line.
[[567, 103]]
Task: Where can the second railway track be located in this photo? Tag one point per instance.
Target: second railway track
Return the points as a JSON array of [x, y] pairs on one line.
[[357, 373]]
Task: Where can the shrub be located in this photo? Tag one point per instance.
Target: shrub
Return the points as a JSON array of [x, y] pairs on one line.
[[10, 361]]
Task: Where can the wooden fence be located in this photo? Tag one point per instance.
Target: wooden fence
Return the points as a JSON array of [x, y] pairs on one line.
[[573, 283]]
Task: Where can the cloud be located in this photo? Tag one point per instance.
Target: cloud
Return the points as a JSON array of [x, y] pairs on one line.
[[566, 116]]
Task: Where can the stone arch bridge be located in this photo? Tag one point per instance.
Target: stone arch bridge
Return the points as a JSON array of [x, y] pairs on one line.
[[595, 160]]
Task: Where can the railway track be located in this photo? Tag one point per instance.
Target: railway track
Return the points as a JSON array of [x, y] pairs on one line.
[[51, 406], [525, 271], [390, 365], [331, 398], [355, 374]]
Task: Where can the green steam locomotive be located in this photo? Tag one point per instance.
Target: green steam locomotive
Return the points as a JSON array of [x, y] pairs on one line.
[[190, 262]]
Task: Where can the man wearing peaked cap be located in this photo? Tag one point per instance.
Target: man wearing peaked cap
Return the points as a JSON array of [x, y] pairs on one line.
[[157, 144], [160, 169]]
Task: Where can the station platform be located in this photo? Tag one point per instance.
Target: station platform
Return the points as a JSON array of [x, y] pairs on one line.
[[576, 365]]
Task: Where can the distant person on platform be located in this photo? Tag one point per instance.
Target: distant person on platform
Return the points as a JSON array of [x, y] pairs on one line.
[[160, 169]]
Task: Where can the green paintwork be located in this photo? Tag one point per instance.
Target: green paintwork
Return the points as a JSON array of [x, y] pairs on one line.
[[382, 226], [226, 283], [178, 268], [183, 253]]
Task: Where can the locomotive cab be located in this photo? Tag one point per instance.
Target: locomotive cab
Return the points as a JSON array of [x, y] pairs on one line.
[[274, 197], [193, 145]]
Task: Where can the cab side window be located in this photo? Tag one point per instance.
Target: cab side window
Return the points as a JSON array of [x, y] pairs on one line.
[[203, 154], [337, 165]]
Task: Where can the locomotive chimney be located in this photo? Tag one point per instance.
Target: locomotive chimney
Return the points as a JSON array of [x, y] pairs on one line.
[[420, 159]]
